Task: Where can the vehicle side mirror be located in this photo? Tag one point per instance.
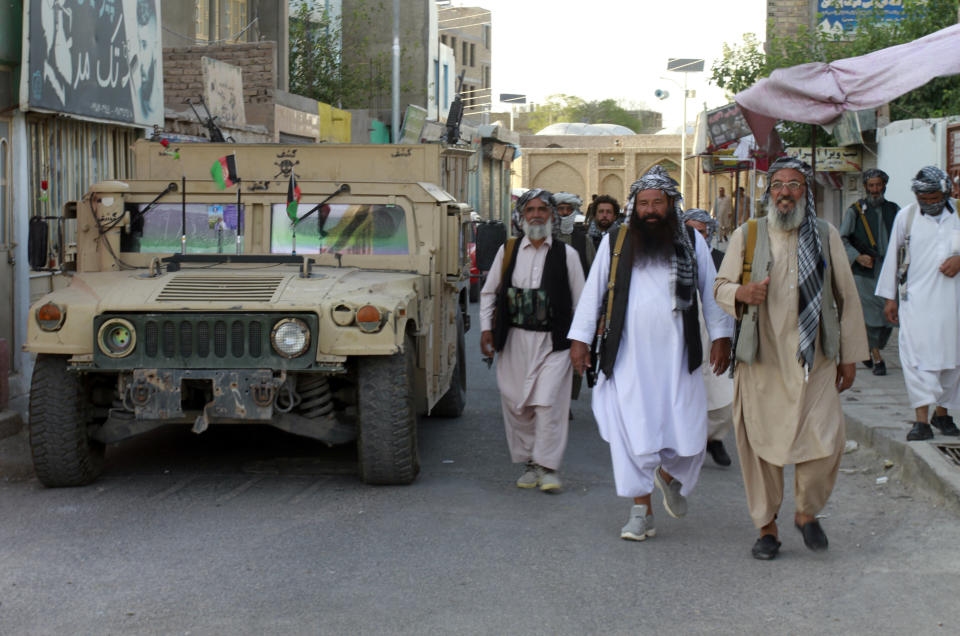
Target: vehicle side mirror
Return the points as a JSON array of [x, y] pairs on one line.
[[38, 235], [490, 236]]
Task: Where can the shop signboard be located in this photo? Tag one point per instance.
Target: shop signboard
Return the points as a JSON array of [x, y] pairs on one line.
[[831, 159], [98, 60]]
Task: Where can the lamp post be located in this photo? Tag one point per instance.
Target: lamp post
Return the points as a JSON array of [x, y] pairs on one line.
[[684, 65]]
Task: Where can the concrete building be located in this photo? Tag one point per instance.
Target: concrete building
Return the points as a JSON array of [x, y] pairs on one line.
[[467, 31]]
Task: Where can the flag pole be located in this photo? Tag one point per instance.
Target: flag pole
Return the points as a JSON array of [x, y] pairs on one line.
[[239, 220], [183, 215]]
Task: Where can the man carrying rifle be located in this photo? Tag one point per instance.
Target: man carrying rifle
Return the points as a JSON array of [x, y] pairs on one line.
[[650, 403], [866, 232]]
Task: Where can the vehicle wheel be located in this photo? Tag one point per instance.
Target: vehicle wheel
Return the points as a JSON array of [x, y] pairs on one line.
[[387, 436], [475, 291], [455, 399], [63, 452]]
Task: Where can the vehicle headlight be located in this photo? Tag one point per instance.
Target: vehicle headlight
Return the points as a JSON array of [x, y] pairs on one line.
[[50, 316], [290, 337], [116, 338]]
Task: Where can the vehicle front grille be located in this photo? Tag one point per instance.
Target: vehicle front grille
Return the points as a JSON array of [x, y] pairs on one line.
[[209, 341]]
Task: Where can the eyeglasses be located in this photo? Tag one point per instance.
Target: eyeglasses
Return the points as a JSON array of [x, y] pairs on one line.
[[793, 186]]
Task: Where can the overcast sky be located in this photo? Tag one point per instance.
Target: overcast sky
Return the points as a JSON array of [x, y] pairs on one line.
[[598, 49]]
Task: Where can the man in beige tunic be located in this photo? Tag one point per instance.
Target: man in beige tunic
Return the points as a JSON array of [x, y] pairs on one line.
[[723, 213], [801, 335], [526, 307]]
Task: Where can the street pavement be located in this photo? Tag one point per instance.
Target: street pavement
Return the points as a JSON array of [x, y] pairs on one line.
[[251, 531]]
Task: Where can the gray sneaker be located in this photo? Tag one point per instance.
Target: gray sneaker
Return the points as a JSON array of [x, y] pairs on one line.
[[549, 480], [673, 501], [640, 525], [530, 477]]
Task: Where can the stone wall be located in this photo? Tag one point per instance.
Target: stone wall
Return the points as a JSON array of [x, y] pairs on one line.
[[183, 77], [785, 17]]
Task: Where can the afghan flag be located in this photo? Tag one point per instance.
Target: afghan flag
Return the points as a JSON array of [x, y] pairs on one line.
[[224, 171], [293, 198]]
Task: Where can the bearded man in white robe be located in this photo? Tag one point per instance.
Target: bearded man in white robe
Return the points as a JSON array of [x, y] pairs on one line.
[[525, 311], [928, 310], [801, 335], [649, 401]]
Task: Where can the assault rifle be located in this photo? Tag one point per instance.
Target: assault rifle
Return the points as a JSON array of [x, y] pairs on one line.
[[216, 135]]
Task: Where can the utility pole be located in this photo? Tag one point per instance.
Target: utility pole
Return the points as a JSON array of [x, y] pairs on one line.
[[395, 89]]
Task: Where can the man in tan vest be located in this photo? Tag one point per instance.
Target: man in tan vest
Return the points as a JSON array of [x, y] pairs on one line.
[[801, 335]]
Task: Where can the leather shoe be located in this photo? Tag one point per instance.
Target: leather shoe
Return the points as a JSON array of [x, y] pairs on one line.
[[868, 364], [813, 535], [718, 452], [919, 432], [767, 547], [880, 368], [944, 424]]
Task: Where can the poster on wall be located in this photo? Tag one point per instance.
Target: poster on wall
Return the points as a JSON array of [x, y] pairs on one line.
[[98, 59]]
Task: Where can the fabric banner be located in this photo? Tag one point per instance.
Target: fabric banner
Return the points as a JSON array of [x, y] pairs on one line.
[[224, 171]]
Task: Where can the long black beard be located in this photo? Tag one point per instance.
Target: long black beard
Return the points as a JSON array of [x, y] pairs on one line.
[[653, 240]]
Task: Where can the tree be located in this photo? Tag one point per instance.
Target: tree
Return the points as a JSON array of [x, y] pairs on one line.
[[741, 66], [317, 68], [570, 108]]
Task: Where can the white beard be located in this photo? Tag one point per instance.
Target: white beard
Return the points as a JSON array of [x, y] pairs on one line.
[[785, 221], [538, 231]]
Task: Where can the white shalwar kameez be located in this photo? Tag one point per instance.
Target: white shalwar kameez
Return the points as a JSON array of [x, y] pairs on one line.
[[930, 314], [534, 380], [653, 410]]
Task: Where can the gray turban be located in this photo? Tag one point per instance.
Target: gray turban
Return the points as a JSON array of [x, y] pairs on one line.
[[568, 198], [697, 214], [873, 173], [931, 179]]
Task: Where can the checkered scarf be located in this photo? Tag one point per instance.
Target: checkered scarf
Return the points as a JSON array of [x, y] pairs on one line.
[[810, 266], [702, 216], [683, 264], [931, 179]]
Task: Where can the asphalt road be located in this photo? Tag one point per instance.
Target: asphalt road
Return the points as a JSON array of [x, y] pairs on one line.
[[251, 531]]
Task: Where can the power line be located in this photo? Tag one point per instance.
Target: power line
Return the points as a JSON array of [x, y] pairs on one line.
[[227, 39]]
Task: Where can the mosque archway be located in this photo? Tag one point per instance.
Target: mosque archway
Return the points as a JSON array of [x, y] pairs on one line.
[[560, 177]]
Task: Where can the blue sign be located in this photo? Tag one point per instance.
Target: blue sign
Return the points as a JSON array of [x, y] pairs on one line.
[[840, 16]]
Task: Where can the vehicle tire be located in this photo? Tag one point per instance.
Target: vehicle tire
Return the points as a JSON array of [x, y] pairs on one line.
[[387, 419], [475, 291], [455, 399], [63, 452]]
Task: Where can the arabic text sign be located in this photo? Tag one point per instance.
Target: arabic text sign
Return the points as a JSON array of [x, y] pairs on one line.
[[831, 159], [841, 15], [95, 58]]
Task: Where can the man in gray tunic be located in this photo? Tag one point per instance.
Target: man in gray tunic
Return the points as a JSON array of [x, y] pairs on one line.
[[866, 233]]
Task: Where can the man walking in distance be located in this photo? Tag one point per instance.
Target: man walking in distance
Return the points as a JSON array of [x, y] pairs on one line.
[[723, 213], [719, 387], [866, 232], [926, 237], [525, 311], [649, 402], [741, 207], [606, 214], [785, 276], [571, 232]]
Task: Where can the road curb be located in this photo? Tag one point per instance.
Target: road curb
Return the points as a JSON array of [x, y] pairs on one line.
[[10, 423], [922, 464]]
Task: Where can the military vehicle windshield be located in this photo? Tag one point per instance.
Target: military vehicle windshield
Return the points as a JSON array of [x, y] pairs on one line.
[[211, 229], [341, 228]]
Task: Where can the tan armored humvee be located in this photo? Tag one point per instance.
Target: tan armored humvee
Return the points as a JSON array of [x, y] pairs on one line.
[[192, 304]]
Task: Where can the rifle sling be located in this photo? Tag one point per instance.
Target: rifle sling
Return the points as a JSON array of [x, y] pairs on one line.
[[866, 226]]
